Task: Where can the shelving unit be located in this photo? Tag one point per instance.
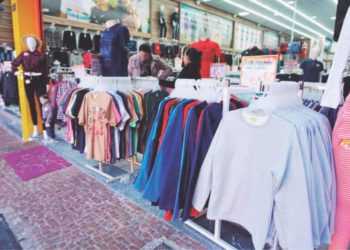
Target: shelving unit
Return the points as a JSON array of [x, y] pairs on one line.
[[90, 26]]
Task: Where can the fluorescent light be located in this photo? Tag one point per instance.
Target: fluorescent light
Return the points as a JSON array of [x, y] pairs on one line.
[[314, 17], [265, 17], [305, 16], [335, 1], [290, 2], [286, 17], [302, 37], [333, 17], [243, 13], [276, 14]]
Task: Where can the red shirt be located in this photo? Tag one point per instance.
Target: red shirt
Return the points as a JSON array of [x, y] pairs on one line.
[[209, 50], [165, 119], [87, 59]]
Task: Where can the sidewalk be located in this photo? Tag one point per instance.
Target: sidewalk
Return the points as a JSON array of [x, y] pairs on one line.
[[68, 209]]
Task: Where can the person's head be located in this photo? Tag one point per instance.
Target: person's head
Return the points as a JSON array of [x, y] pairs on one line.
[[44, 99], [191, 55], [145, 52]]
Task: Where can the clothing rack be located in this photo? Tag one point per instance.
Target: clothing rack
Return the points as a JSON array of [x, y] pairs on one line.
[[113, 84], [218, 89]]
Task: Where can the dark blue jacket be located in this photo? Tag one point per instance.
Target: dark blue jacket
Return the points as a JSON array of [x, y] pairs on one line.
[[114, 51]]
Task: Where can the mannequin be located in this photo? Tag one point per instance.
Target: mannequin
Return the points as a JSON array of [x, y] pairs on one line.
[[162, 22], [33, 64], [175, 20], [311, 67], [114, 50]]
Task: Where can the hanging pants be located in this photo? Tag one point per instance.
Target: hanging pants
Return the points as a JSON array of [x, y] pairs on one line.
[[34, 90], [341, 150]]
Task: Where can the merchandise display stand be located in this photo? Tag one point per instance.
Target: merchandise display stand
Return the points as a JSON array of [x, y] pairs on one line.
[[113, 84], [224, 89]]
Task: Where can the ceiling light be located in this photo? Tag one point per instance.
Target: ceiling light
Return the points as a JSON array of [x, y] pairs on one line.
[[335, 1], [243, 13], [314, 17], [286, 17], [302, 37], [265, 17], [333, 17], [290, 2], [276, 14], [306, 17]]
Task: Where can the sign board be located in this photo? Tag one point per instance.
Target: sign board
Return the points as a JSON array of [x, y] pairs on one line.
[[218, 70], [290, 66], [258, 69]]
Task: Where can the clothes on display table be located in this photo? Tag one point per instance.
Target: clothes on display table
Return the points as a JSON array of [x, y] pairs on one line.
[[177, 143], [254, 51], [209, 50], [342, 8], [129, 110], [85, 41], [341, 150], [312, 70], [114, 51], [53, 38], [96, 41], [9, 88], [69, 40], [293, 77]]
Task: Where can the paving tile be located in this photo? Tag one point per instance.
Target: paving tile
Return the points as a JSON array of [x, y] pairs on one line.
[[67, 209]]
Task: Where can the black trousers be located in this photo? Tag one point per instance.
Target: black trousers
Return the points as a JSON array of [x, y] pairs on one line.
[[51, 130], [163, 30], [34, 90]]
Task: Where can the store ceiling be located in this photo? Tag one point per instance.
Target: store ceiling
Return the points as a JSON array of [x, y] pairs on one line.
[[314, 17]]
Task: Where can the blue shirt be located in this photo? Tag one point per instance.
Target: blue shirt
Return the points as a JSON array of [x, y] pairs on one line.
[[114, 51], [312, 70]]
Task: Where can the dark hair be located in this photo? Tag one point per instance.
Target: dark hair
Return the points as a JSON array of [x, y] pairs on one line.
[[145, 47], [194, 55]]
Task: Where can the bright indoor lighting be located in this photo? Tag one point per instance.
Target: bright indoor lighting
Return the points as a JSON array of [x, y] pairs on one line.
[[314, 17], [277, 13], [290, 2], [305, 16], [233, 3], [243, 13], [333, 17]]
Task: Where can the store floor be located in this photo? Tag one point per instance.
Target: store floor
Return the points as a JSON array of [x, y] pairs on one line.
[[74, 208]]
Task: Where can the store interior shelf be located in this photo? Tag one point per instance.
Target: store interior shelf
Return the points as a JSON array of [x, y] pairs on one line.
[[90, 26]]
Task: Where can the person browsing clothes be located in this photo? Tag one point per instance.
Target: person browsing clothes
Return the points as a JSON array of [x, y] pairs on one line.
[[192, 64], [146, 64]]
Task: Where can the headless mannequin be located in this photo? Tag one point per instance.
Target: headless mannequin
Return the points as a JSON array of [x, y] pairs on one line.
[[33, 83], [175, 19], [162, 23]]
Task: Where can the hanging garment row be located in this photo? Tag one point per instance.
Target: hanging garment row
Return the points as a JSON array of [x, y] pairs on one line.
[[109, 124], [9, 88], [176, 146], [272, 164]]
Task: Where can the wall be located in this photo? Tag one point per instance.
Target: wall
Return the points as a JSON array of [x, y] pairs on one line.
[[6, 29]]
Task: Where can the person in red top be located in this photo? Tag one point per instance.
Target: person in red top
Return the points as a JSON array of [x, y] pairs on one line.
[[210, 50]]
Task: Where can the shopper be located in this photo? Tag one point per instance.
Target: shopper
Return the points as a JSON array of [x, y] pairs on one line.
[[146, 64], [48, 117], [192, 64]]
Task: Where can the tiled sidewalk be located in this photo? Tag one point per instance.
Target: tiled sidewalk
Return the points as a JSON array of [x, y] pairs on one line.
[[68, 209]]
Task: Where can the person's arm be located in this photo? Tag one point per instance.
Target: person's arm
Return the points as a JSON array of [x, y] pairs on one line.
[[15, 63], [167, 70]]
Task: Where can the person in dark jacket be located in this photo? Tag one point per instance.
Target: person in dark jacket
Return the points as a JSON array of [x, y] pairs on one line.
[[192, 64]]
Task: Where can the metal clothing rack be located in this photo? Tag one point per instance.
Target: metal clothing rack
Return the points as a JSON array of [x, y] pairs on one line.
[[113, 84]]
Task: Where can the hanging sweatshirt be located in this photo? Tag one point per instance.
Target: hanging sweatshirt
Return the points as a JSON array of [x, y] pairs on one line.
[[260, 175]]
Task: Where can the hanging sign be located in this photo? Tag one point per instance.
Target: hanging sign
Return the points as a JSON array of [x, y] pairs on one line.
[[218, 70], [257, 70]]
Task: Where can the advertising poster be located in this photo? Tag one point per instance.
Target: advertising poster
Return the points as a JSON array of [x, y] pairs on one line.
[[246, 36], [135, 14], [270, 40], [258, 69], [196, 24]]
